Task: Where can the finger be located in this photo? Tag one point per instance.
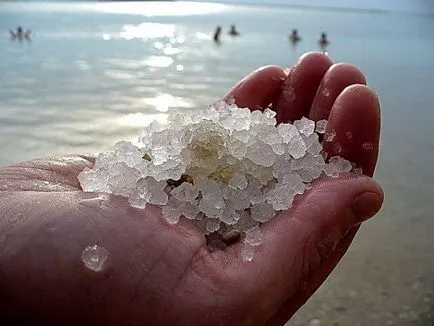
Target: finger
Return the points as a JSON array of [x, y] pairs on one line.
[[353, 129], [53, 174], [313, 282], [301, 86], [258, 89], [336, 79], [296, 242]]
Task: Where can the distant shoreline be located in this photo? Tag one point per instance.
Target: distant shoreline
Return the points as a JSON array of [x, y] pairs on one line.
[[309, 7], [253, 3]]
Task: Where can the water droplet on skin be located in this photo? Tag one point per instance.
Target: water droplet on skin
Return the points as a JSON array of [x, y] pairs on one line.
[[337, 148], [314, 322], [349, 135], [368, 146], [94, 200], [330, 135], [94, 257]]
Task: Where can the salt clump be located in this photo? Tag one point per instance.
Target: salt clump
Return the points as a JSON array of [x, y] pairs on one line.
[[94, 257], [228, 169]]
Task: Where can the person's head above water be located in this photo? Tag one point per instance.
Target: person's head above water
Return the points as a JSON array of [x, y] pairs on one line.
[[233, 30], [217, 33], [294, 37], [19, 29], [323, 39]]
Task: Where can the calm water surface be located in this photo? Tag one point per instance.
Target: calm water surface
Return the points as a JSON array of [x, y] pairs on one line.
[[96, 73]]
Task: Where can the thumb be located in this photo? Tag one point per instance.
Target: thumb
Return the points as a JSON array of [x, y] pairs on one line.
[[297, 241], [323, 215]]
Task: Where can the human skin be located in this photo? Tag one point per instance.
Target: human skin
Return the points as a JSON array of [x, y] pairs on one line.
[[160, 274]]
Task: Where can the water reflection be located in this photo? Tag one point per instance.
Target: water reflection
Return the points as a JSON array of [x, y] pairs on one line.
[[147, 31], [140, 119], [158, 61], [163, 102], [149, 9]]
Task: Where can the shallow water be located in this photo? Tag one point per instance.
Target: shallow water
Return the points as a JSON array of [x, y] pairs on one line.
[[95, 73]]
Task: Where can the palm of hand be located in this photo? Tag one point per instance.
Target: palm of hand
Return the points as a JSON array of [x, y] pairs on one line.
[[162, 274]]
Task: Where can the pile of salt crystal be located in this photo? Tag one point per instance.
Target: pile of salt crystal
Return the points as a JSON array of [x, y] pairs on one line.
[[225, 168]]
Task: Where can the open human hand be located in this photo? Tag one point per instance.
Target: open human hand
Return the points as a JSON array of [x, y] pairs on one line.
[[160, 274]]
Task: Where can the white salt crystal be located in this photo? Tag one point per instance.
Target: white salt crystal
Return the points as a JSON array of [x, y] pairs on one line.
[[341, 164], [186, 192], [171, 214], [189, 210], [321, 126], [287, 132], [254, 236], [331, 170], [279, 149], [247, 252], [103, 160], [313, 145], [337, 165], [238, 199], [269, 114], [94, 180], [235, 168], [273, 138], [238, 181], [94, 257], [128, 153], [212, 204], [230, 216], [308, 175], [305, 126], [281, 197], [262, 212], [297, 164], [148, 190], [261, 154], [297, 147], [212, 225], [318, 160], [245, 222], [122, 179], [345, 166]]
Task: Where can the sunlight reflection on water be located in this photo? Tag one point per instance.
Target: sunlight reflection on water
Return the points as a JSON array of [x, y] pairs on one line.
[[147, 30]]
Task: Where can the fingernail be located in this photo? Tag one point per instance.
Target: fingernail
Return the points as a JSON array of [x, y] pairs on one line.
[[366, 205]]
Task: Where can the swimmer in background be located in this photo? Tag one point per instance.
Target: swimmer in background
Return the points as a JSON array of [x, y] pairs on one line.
[[217, 33], [294, 37], [20, 33], [323, 40], [233, 31]]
